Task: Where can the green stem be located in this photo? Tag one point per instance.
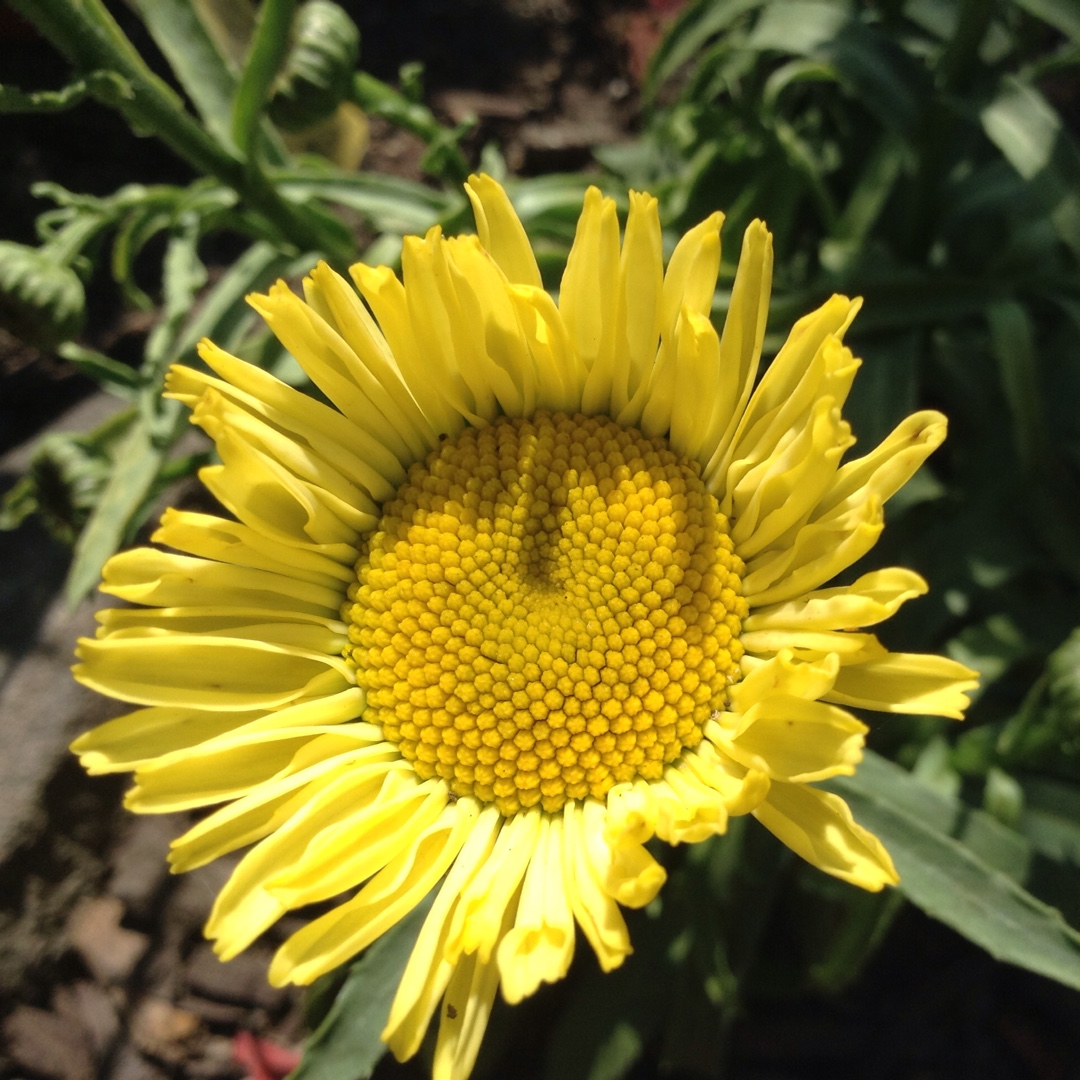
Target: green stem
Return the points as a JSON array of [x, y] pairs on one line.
[[88, 35], [268, 49]]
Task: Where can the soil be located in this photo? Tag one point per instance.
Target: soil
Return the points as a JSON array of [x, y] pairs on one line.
[[103, 968]]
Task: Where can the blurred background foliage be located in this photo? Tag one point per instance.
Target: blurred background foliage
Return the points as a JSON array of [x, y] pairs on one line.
[[922, 154]]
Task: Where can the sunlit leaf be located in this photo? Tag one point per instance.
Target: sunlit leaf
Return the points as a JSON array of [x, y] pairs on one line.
[[975, 890]]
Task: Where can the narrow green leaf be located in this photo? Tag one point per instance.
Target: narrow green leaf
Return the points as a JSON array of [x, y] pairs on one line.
[[390, 204], [1029, 133], [873, 67], [695, 26], [1012, 337], [346, 1045], [268, 49], [103, 369], [198, 66], [974, 890], [138, 460], [183, 275]]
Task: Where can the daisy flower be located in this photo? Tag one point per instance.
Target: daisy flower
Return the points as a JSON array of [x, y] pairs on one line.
[[530, 583]]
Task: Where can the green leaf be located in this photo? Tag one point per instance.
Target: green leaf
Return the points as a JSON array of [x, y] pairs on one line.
[[346, 1045], [1028, 131], [962, 867], [870, 64], [1063, 682], [1051, 818], [694, 27], [198, 66], [390, 204], [183, 275], [798, 26], [1012, 337], [141, 460], [138, 460], [1062, 14], [268, 49], [103, 369]]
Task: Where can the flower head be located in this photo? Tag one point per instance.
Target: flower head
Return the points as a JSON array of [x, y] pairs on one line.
[[535, 583]]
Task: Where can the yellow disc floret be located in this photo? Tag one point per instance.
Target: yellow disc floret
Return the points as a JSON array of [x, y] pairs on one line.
[[548, 607]]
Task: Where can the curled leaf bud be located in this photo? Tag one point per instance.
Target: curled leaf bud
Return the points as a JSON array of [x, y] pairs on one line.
[[316, 74], [42, 301]]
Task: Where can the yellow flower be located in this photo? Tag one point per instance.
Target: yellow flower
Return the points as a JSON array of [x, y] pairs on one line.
[[536, 583]]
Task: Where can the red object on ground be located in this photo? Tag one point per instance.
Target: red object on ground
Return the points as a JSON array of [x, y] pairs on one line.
[[263, 1059]]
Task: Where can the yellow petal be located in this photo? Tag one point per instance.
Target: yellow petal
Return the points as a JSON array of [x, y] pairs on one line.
[[641, 283], [233, 542], [798, 367], [147, 735], [871, 599], [783, 490], [819, 551], [161, 579], [486, 298], [797, 741], [427, 973], [688, 810], [690, 281], [245, 908], [268, 807], [501, 231], [595, 911], [359, 843], [628, 873], [129, 741], [907, 683], [466, 1009], [233, 764], [387, 298], [783, 674], [271, 500], [540, 945], [558, 368], [315, 633], [445, 336], [588, 297], [814, 645], [221, 674], [744, 331], [819, 827], [740, 789], [333, 938], [330, 363], [215, 414], [377, 371], [334, 437], [484, 902], [887, 468], [768, 425]]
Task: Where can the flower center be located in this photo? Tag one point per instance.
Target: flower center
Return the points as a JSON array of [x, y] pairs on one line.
[[548, 607]]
